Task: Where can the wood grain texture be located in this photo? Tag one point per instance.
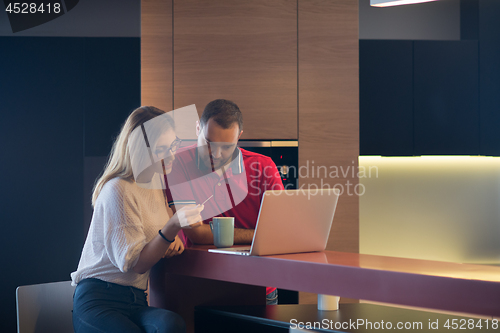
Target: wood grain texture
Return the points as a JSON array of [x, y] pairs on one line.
[[329, 108], [156, 54], [244, 51]]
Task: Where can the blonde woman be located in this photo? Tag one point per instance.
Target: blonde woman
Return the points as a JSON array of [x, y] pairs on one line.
[[131, 231]]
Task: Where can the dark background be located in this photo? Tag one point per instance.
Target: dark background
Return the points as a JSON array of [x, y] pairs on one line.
[[64, 93], [63, 100]]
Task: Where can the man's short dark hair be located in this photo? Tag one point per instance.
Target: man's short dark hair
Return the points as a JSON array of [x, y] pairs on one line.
[[225, 113]]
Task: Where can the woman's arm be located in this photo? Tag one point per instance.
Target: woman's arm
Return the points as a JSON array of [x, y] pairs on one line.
[[157, 247]]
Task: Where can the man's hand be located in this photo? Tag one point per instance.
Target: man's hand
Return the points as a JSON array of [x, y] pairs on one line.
[[176, 248]]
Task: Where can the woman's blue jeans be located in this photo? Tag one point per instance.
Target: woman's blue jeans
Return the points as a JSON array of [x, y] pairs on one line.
[[105, 307]]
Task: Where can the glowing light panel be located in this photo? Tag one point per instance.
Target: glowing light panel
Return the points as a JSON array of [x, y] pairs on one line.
[[389, 3]]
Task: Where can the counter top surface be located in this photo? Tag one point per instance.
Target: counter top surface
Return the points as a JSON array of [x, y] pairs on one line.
[[448, 286], [489, 273]]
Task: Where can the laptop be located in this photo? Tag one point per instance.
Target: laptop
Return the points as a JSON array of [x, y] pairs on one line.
[[291, 221]]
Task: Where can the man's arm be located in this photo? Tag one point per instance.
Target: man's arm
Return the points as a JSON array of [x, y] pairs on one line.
[[203, 234], [242, 236]]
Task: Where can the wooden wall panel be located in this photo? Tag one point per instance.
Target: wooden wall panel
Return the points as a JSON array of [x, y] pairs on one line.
[[252, 52], [156, 54], [329, 107], [245, 51]]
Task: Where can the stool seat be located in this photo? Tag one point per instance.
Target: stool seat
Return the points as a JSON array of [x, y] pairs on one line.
[[46, 307]]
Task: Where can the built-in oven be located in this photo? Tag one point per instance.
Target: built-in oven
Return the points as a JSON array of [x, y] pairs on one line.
[[284, 153]]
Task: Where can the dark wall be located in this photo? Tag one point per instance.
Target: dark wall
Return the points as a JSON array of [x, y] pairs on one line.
[[63, 100]]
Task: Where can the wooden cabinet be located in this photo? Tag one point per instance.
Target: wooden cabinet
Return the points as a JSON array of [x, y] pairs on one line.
[[291, 66], [329, 109], [245, 51], [156, 54], [195, 51]]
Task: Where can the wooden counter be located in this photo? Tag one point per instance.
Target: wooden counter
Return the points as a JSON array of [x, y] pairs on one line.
[[232, 279]]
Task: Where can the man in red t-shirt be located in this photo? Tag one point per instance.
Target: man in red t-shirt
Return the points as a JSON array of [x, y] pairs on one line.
[[215, 166]]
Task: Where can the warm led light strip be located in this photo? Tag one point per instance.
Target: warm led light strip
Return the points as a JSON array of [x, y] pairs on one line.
[[428, 157], [388, 3]]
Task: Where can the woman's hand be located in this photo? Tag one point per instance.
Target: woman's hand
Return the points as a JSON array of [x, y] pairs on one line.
[[185, 218], [176, 248], [188, 216]]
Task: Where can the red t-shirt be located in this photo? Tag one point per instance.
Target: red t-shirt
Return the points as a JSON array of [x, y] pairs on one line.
[[236, 193]]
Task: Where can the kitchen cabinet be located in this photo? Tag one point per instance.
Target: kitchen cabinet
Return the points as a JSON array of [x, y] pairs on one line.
[[112, 89], [291, 66], [446, 98], [386, 97], [419, 98], [329, 109], [245, 51], [489, 76], [156, 54]]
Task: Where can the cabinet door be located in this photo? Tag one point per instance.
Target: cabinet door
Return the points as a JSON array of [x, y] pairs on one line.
[[329, 109], [244, 51], [156, 54], [489, 55], [446, 84], [386, 97]]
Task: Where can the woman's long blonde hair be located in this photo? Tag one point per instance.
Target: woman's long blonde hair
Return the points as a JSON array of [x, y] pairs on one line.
[[119, 164]]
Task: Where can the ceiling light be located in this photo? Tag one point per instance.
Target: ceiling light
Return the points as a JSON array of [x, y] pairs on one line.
[[388, 3]]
